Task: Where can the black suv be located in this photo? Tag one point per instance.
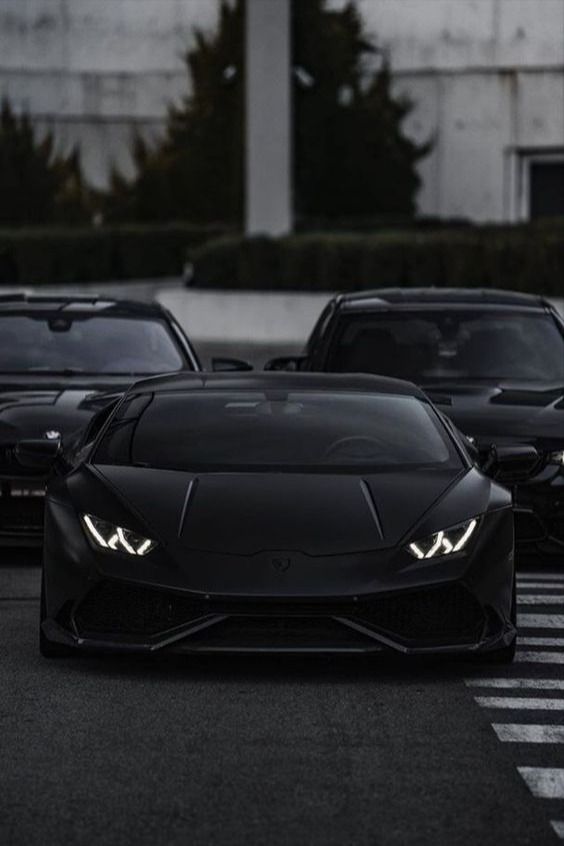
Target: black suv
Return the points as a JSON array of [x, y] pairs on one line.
[[493, 361], [62, 361]]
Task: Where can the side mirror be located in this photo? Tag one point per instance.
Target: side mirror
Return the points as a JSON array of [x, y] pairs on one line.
[[37, 455], [230, 365], [511, 464], [286, 362]]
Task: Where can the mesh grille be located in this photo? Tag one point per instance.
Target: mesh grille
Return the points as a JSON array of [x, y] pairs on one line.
[[447, 614]]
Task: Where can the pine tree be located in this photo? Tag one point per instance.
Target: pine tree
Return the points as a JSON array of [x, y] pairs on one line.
[[36, 185], [351, 156]]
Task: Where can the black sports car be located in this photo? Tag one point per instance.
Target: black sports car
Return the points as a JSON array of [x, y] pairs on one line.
[[61, 361], [493, 361], [277, 512]]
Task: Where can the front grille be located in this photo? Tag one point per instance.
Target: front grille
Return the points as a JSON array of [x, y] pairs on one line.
[[265, 632], [446, 614]]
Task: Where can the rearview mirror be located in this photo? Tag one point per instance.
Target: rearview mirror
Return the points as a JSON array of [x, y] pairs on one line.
[[230, 365], [286, 362], [511, 464], [37, 455]]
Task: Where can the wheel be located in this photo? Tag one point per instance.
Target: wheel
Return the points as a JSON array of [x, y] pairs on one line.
[[48, 648], [507, 653]]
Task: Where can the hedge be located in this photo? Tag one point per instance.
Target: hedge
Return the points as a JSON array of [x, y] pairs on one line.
[[521, 258], [62, 256]]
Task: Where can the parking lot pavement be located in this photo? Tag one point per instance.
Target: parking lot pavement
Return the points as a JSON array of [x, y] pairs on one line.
[[280, 750]]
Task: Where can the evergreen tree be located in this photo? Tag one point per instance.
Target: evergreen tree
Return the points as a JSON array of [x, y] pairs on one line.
[[36, 185], [351, 156]]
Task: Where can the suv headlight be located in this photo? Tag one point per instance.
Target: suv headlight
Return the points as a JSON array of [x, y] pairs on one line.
[[557, 457], [446, 542], [116, 538]]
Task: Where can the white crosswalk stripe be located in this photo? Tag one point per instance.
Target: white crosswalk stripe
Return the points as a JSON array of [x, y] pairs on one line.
[[556, 577], [527, 657], [524, 640], [540, 585], [540, 621], [518, 684], [517, 733], [558, 826], [544, 782], [540, 599], [520, 703]]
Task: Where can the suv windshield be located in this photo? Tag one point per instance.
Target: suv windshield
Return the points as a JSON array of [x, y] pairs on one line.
[[296, 431], [92, 345], [432, 346]]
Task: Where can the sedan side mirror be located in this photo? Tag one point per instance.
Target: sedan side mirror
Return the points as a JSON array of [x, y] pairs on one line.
[[511, 464], [286, 362], [37, 455], [230, 365]]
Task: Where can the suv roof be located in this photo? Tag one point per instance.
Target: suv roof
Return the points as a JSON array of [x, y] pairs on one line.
[[439, 296], [84, 304]]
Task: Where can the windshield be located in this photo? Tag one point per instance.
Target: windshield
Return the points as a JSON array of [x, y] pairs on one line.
[[211, 431], [432, 346], [93, 345]]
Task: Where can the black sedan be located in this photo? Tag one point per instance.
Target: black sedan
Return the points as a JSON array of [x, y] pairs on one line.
[[62, 360], [493, 361], [278, 512]]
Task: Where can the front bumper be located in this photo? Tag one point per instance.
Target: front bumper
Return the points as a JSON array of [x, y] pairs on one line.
[[539, 515], [97, 601]]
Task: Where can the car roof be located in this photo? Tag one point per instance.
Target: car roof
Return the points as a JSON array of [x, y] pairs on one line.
[[261, 381], [93, 304], [382, 297]]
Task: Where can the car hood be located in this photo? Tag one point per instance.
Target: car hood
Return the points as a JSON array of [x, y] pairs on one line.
[[318, 514], [505, 412], [30, 412]]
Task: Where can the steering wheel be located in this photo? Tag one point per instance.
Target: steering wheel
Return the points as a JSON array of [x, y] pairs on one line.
[[362, 446]]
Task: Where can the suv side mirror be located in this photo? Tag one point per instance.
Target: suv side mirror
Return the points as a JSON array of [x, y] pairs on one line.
[[286, 362], [230, 365], [511, 464], [38, 454]]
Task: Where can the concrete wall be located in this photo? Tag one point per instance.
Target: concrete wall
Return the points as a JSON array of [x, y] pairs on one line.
[[488, 80], [487, 76]]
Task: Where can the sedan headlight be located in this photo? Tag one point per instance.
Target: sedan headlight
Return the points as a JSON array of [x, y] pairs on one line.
[[116, 538], [446, 542]]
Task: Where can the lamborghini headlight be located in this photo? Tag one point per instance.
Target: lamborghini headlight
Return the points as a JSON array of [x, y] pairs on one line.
[[446, 542], [116, 538]]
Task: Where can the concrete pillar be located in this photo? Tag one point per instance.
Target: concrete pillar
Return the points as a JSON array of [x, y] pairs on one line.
[[268, 130]]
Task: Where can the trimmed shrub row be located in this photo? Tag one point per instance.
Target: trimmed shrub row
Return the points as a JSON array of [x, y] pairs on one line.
[[521, 258], [63, 256]]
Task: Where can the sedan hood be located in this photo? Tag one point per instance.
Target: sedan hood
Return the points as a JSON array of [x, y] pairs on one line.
[[27, 412], [247, 513], [505, 412]]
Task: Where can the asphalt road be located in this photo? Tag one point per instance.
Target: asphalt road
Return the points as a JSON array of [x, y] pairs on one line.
[[279, 751]]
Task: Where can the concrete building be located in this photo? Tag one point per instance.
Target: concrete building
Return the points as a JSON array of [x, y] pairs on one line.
[[487, 77]]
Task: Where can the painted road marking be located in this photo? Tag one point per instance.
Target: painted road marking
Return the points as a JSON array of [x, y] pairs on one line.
[[520, 703], [544, 782], [514, 733], [557, 577], [524, 657], [540, 585], [541, 621], [540, 641], [540, 599], [558, 826], [512, 684]]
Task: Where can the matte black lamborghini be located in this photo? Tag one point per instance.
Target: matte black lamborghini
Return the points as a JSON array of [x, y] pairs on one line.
[[277, 512], [493, 361]]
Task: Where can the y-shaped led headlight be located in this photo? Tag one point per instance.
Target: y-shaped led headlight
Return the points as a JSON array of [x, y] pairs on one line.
[[115, 538], [446, 542]]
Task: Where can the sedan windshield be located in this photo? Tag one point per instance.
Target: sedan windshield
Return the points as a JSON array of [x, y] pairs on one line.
[[451, 345], [92, 345], [210, 431]]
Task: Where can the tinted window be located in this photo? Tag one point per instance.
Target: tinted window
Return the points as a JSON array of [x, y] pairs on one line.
[[427, 346], [112, 345], [204, 430]]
